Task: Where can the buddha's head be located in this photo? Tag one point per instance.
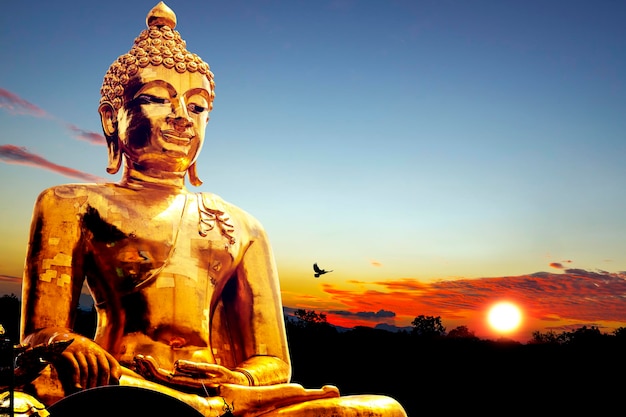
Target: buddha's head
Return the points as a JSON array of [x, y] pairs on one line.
[[155, 101]]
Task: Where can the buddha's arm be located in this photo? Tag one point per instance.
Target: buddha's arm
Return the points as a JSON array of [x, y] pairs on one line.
[[52, 282], [260, 315]]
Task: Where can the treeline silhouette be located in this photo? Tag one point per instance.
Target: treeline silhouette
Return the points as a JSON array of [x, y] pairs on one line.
[[427, 369], [432, 372]]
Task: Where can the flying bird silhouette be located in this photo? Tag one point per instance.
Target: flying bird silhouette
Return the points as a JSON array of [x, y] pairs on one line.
[[319, 271]]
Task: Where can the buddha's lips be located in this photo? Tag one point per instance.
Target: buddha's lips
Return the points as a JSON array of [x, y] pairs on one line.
[[176, 138]]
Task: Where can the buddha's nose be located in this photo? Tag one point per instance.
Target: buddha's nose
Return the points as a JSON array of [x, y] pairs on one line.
[[179, 118], [180, 123]]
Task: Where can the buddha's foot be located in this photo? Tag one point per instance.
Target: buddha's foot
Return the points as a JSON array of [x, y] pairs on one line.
[[252, 401]]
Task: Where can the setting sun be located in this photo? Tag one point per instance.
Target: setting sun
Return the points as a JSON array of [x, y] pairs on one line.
[[504, 317]]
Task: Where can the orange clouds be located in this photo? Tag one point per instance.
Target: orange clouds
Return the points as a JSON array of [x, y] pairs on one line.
[[559, 265], [575, 296]]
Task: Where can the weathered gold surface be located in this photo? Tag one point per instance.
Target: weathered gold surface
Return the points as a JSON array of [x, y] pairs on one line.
[[185, 285]]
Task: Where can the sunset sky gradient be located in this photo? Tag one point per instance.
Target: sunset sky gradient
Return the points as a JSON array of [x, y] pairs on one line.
[[438, 156]]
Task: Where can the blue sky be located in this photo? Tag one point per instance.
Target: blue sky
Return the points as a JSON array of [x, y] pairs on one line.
[[387, 140]]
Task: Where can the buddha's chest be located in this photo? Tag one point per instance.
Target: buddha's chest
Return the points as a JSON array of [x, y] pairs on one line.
[[135, 247]]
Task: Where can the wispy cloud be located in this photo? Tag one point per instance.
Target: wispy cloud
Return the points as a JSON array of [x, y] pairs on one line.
[[559, 265], [365, 314], [12, 154], [10, 279], [86, 135], [17, 105], [372, 318]]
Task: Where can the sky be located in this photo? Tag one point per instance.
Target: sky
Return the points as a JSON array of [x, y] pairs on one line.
[[437, 156]]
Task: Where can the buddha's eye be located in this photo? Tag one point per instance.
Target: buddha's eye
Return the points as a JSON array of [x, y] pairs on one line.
[[195, 108], [150, 99]]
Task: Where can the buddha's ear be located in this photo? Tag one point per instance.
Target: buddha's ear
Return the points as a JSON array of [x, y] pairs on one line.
[[108, 118]]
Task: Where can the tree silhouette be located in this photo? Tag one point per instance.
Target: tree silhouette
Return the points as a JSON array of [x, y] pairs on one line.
[[620, 333], [308, 318], [549, 337], [585, 335], [10, 316], [307, 324], [582, 335], [461, 332], [428, 326]]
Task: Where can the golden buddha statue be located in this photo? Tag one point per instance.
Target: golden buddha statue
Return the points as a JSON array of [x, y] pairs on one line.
[[184, 284]]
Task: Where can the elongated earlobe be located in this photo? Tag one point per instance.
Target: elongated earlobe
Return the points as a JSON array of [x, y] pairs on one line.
[[109, 128], [193, 175], [115, 156]]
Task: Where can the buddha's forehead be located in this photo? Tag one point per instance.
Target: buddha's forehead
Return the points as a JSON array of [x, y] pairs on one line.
[[181, 82]]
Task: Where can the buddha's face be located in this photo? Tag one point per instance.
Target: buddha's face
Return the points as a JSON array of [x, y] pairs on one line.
[[162, 124]]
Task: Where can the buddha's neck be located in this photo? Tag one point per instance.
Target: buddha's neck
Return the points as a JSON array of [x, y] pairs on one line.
[[134, 178]]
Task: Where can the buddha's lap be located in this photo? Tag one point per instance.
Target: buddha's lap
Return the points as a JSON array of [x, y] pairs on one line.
[[127, 401], [120, 401]]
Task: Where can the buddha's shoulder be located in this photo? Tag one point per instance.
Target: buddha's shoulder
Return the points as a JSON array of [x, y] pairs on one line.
[[77, 191], [212, 201]]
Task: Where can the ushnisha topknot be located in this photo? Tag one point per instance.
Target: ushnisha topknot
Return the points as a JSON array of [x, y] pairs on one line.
[[160, 44]]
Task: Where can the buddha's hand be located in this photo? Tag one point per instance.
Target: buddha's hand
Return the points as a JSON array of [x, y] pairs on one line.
[[188, 373], [85, 364], [211, 373]]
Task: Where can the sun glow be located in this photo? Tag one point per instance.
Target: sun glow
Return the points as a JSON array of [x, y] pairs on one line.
[[504, 317]]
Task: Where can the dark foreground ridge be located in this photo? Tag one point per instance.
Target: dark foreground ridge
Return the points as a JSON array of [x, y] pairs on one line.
[[460, 375], [440, 375]]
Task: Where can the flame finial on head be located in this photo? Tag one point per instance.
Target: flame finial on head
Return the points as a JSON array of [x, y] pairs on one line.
[[161, 15]]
